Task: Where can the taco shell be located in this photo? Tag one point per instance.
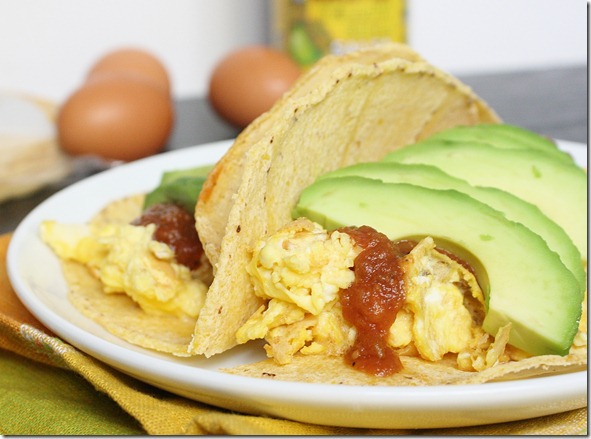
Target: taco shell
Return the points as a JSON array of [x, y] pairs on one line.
[[217, 193], [122, 317], [321, 369], [346, 110]]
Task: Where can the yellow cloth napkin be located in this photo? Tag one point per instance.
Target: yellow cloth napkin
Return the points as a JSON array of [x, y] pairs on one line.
[[50, 387]]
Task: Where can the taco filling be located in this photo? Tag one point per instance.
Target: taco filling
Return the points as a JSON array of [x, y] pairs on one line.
[[355, 293], [151, 259]]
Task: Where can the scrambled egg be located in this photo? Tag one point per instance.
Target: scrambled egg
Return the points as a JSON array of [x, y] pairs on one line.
[[434, 316], [127, 260], [300, 270]]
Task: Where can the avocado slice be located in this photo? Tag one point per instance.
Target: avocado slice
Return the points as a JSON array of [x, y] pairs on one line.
[[524, 282], [514, 208], [502, 136], [558, 189], [180, 187]]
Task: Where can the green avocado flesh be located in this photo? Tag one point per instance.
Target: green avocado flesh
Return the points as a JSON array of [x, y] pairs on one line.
[[180, 187], [558, 189], [525, 283], [502, 136], [514, 208]]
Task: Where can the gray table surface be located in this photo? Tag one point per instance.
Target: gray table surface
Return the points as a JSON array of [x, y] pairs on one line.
[[552, 102]]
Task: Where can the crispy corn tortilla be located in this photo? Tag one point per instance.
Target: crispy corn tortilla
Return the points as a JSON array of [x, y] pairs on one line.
[[415, 372], [118, 313], [216, 196], [346, 110], [122, 317], [121, 211]]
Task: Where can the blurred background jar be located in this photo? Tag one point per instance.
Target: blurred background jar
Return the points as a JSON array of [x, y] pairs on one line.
[[309, 29]]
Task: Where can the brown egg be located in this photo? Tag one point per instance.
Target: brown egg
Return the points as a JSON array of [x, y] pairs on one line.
[[247, 82], [116, 118], [134, 62]]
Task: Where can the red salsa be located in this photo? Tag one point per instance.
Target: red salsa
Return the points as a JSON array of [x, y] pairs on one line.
[[374, 298], [175, 227]]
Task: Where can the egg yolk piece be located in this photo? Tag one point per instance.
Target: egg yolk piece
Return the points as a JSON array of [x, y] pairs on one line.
[[127, 260]]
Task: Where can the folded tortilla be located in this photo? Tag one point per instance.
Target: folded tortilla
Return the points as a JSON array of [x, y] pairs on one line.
[[324, 369], [345, 110]]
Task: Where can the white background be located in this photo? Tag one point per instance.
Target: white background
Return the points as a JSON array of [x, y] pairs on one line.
[[46, 46]]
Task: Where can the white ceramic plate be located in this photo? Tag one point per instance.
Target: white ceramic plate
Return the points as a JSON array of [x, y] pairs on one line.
[[35, 274]]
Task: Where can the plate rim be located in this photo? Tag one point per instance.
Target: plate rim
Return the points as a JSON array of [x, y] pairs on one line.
[[568, 385]]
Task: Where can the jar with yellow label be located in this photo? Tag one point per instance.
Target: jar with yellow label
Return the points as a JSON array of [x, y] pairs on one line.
[[309, 29]]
